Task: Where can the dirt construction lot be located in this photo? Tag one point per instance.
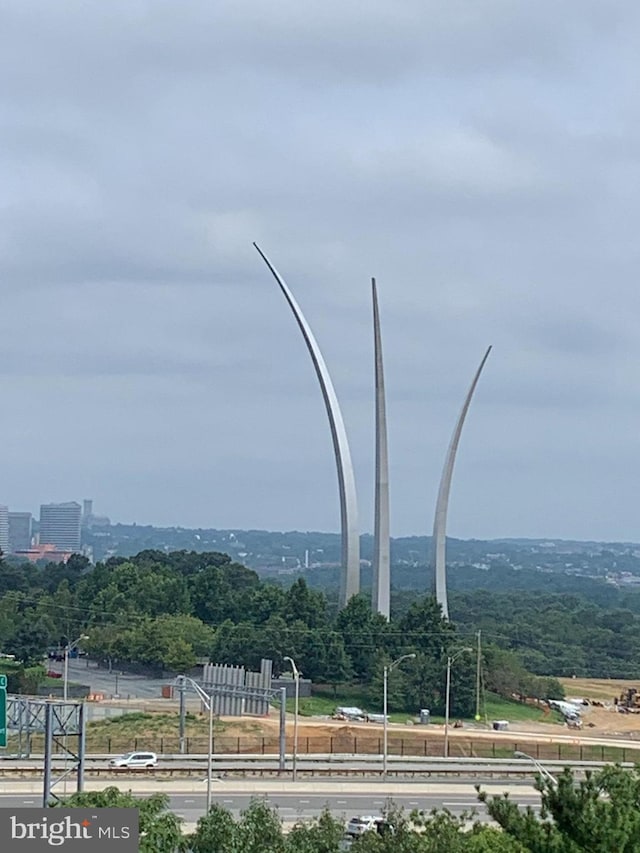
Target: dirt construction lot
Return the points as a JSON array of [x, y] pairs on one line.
[[601, 689], [601, 725]]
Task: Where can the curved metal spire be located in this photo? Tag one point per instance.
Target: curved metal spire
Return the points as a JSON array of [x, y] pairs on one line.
[[350, 577], [439, 542], [381, 588]]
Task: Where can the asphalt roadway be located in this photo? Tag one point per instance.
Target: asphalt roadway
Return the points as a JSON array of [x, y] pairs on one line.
[[300, 804]]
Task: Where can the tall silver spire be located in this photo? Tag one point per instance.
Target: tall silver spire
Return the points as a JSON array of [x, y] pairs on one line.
[[350, 576], [439, 542], [381, 589]]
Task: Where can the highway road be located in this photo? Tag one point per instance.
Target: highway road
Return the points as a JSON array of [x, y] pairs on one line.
[[302, 805], [321, 766]]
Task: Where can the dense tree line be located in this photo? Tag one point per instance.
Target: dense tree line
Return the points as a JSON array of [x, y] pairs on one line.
[[556, 623], [555, 633], [166, 611]]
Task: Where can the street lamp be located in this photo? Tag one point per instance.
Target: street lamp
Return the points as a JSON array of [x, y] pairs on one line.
[[539, 767], [67, 649], [385, 680], [296, 675], [207, 701], [450, 661]]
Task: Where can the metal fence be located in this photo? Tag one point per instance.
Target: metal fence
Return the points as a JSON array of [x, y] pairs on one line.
[[428, 747]]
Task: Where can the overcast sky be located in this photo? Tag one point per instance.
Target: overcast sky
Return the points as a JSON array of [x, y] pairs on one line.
[[480, 158]]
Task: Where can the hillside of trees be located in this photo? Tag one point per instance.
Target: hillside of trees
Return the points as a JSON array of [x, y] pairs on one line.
[[268, 550], [166, 611]]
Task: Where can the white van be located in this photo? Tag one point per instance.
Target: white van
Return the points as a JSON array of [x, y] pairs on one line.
[[135, 759]]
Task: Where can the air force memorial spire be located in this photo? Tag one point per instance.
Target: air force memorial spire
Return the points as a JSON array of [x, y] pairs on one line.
[[381, 588], [439, 542], [350, 575]]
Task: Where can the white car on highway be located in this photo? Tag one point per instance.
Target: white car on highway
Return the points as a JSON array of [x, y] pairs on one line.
[[135, 759], [365, 823]]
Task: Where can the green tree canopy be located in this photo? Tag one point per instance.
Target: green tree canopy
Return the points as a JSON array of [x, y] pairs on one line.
[[160, 829], [597, 814]]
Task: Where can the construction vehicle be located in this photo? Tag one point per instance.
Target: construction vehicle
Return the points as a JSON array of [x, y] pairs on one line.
[[628, 702]]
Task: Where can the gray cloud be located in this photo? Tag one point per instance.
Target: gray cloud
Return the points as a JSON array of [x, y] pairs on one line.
[[481, 159]]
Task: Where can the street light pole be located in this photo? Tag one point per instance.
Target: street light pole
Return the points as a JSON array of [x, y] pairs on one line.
[[296, 675], [539, 767], [207, 701], [385, 745], [210, 756], [65, 678], [447, 698], [385, 693]]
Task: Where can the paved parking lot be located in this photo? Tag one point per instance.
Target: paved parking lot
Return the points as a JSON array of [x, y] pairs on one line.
[[84, 671]]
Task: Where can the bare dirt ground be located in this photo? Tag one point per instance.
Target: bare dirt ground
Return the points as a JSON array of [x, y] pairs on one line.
[[602, 724], [602, 689], [608, 726]]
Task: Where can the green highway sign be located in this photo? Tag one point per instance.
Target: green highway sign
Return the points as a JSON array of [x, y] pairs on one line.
[[3, 682]]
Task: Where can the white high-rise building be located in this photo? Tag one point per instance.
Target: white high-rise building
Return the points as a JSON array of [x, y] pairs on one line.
[[4, 529], [60, 525]]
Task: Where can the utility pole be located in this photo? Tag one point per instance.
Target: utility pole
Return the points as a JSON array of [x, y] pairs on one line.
[[478, 665]]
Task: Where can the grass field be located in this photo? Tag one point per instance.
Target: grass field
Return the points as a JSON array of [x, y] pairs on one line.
[[139, 723], [323, 703]]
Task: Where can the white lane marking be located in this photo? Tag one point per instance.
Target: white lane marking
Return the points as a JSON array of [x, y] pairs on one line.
[[341, 802], [189, 801], [306, 802], [462, 803], [29, 802]]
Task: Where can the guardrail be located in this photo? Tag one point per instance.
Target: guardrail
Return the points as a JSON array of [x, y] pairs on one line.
[[229, 770]]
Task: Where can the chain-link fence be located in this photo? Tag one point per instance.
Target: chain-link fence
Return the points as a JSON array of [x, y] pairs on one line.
[[428, 747]]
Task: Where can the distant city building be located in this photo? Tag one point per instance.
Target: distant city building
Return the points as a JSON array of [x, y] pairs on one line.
[[60, 525], [44, 552], [89, 520], [20, 524], [4, 529]]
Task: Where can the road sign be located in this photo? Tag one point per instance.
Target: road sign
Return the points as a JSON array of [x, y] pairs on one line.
[[3, 711]]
